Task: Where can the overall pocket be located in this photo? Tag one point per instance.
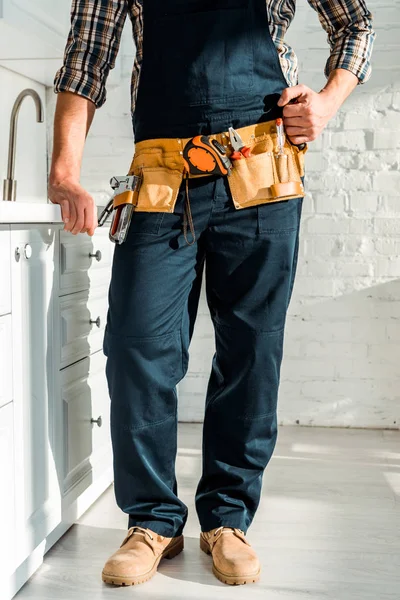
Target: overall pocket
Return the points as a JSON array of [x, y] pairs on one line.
[[213, 42]]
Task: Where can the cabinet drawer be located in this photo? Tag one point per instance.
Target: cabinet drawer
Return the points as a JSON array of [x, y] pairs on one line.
[[6, 392], [5, 271], [85, 399], [82, 322], [84, 261], [7, 491]]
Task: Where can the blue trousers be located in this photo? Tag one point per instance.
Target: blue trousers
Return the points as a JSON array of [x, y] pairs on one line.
[[249, 257]]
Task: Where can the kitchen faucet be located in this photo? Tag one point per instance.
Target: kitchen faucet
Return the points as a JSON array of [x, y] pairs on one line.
[[10, 184]]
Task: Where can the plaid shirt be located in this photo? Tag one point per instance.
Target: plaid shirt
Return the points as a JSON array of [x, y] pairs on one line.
[[96, 27]]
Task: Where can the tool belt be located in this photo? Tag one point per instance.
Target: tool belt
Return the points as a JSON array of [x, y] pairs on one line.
[[265, 176], [265, 170]]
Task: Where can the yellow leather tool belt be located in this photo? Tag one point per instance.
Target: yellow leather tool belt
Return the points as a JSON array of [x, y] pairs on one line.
[[267, 175]]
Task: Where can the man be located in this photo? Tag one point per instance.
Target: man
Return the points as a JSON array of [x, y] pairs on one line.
[[202, 66]]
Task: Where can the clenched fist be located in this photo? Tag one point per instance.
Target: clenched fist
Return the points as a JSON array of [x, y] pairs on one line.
[[306, 113]]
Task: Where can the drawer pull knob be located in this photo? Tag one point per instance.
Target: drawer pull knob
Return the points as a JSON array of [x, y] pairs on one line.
[[99, 421], [97, 255], [28, 251], [17, 254], [96, 322]]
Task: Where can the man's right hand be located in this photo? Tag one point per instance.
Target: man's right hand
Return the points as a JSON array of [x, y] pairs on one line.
[[79, 212]]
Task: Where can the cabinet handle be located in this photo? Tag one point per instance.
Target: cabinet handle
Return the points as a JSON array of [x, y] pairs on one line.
[[97, 255], [99, 421], [28, 251], [96, 322]]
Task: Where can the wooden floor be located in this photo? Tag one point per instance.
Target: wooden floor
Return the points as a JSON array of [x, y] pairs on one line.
[[328, 527]]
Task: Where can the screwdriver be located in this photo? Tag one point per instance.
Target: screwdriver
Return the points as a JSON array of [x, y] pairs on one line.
[[281, 135], [282, 159]]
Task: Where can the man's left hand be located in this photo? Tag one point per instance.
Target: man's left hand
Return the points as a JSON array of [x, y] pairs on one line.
[[306, 113]]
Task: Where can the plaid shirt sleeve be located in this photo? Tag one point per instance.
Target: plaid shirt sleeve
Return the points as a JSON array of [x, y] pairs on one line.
[[92, 48], [348, 24]]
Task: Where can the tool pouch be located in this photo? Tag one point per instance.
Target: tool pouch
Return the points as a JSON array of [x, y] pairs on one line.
[[161, 176], [159, 189], [267, 175]]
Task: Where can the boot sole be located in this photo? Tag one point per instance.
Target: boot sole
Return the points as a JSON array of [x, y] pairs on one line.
[[168, 553], [228, 579]]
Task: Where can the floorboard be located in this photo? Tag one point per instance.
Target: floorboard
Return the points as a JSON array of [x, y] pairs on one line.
[[328, 528]]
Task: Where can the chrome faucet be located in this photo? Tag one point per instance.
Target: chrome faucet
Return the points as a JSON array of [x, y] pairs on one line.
[[10, 184]]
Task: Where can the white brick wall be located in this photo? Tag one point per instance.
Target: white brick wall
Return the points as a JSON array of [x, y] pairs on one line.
[[342, 351]]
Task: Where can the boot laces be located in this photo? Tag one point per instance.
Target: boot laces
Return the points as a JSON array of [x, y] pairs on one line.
[[226, 530], [142, 531]]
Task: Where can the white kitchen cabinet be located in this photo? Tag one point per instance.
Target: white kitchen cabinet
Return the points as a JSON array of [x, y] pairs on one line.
[[55, 439], [37, 491], [7, 494], [86, 423], [5, 270]]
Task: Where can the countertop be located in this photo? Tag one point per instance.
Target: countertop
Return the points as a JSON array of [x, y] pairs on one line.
[[26, 213], [20, 212]]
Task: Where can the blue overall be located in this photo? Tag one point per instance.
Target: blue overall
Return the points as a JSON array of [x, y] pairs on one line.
[[208, 65]]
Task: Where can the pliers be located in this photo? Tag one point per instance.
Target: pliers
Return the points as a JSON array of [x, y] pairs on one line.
[[239, 149]]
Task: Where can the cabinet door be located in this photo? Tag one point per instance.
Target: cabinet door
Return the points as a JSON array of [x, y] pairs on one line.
[[5, 274], [6, 394], [86, 422], [7, 512], [37, 492]]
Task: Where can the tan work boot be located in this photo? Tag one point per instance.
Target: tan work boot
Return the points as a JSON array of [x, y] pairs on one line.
[[139, 556], [234, 560]]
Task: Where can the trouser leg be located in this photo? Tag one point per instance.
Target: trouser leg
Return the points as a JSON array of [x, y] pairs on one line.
[[152, 307], [251, 260]]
